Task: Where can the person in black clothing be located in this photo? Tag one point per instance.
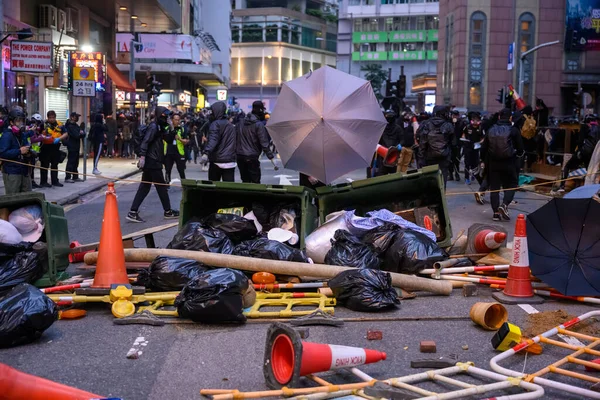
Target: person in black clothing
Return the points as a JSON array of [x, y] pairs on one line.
[[220, 148], [151, 164], [408, 127], [50, 156], [97, 136], [456, 145], [391, 137], [501, 147], [73, 145], [589, 135], [435, 136], [471, 142], [252, 140]]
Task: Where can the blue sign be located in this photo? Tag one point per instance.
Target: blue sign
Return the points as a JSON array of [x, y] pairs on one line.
[[511, 56]]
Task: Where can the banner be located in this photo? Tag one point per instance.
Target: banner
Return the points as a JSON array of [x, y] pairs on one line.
[[26, 56], [161, 46], [582, 31]]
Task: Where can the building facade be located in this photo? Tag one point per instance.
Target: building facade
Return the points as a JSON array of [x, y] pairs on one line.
[[474, 41], [278, 40], [393, 34]]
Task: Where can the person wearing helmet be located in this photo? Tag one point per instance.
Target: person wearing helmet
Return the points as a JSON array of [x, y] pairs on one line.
[[151, 163], [220, 148], [13, 146], [54, 133], [589, 136], [435, 136], [252, 141]]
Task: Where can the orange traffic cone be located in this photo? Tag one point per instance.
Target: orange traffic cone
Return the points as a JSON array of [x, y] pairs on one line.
[[519, 103], [17, 385], [110, 267], [389, 155], [518, 287], [287, 358], [488, 240]]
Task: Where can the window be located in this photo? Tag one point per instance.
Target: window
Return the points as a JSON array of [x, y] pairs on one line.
[[526, 39], [477, 57], [373, 25], [358, 25], [420, 23]]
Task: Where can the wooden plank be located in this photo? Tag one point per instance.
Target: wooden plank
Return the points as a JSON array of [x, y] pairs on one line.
[[129, 237]]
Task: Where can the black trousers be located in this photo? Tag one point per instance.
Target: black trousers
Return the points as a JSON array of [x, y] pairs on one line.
[[216, 173], [72, 164], [471, 160], [49, 158], [174, 159], [249, 169], [149, 177], [455, 166], [110, 145], [444, 165], [502, 174]]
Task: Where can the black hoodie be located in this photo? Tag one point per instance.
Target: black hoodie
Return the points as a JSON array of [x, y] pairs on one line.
[[435, 137], [252, 138], [221, 144]]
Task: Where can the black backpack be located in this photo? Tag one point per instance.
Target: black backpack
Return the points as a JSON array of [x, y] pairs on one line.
[[138, 138], [500, 143]]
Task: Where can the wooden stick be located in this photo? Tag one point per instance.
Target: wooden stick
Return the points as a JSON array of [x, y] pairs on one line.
[[467, 255], [455, 240], [408, 282], [176, 321], [287, 392]]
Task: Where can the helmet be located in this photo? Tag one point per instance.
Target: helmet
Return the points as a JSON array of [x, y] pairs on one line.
[[440, 111], [16, 113], [474, 114], [390, 115], [590, 118], [37, 117]]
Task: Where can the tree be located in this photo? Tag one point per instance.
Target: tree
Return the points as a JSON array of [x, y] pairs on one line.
[[375, 74]]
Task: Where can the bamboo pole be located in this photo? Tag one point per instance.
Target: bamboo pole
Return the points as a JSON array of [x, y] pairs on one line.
[[407, 282]]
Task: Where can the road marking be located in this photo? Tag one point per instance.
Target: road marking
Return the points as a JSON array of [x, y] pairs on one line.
[[567, 338], [286, 179], [134, 352]]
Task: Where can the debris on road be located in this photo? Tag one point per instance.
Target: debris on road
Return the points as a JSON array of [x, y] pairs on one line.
[[374, 335], [427, 346]]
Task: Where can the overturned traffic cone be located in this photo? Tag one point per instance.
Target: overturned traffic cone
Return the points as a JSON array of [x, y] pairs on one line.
[[519, 103], [287, 358], [488, 240], [110, 267], [77, 256], [518, 287], [17, 385], [389, 155]]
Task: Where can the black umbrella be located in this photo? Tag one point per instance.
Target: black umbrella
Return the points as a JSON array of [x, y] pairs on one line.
[[564, 245]]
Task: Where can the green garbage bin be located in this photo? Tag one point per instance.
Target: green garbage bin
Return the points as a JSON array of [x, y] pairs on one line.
[[202, 198], [417, 196], [56, 233]]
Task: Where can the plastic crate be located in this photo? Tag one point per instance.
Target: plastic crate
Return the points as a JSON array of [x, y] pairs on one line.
[[56, 233], [202, 198], [421, 189]]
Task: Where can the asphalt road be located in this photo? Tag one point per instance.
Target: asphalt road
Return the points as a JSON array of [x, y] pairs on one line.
[[181, 359]]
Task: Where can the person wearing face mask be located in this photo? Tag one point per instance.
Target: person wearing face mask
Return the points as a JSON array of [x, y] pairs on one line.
[[471, 142], [97, 136], [54, 133], [409, 128], [456, 147], [73, 145], [13, 146], [391, 137], [435, 136], [174, 148], [220, 147], [151, 163], [252, 141]]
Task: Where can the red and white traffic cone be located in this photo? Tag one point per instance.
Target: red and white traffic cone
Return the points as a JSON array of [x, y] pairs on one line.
[[488, 240], [287, 358], [519, 103], [518, 287], [389, 155]]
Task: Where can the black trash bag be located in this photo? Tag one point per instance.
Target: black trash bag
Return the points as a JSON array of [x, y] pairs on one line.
[[262, 214], [411, 252], [381, 238], [170, 273], [214, 296], [194, 236], [364, 290], [235, 227], [348, 250], [269, 250], [25, 313], [20, 263]]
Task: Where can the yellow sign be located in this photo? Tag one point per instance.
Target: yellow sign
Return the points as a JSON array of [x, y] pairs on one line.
[[84, 74]]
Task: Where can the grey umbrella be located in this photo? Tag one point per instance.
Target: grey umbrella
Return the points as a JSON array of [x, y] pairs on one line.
[[326, 124]]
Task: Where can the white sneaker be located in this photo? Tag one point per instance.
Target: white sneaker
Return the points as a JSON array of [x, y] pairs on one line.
[[96, 172]]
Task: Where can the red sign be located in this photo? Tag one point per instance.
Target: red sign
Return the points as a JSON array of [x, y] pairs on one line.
[[90, 60]]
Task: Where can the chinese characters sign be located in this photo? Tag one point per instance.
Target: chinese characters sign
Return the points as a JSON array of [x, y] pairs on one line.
[[84, 88], [93, 60], [31, 56], [582, 25]]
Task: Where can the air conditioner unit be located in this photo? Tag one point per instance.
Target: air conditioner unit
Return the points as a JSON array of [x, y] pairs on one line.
[[72, 20], [62, 21], [48, 16]]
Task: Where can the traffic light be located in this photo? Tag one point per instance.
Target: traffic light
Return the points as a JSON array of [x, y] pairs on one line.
[[401, 87], [149, 80], [508, 99], [152, 86], [500, 96], [388, 88]]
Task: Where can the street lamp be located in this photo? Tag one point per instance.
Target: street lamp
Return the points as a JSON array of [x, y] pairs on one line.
[[525, 54], [87, 48]]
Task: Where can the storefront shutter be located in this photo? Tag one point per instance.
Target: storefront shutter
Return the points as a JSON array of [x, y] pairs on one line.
[[58, 100]]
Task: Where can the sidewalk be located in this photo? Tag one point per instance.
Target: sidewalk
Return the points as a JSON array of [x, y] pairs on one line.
[[111, 168]]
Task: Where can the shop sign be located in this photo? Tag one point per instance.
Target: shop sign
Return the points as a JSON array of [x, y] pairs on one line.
[[26, 56]]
